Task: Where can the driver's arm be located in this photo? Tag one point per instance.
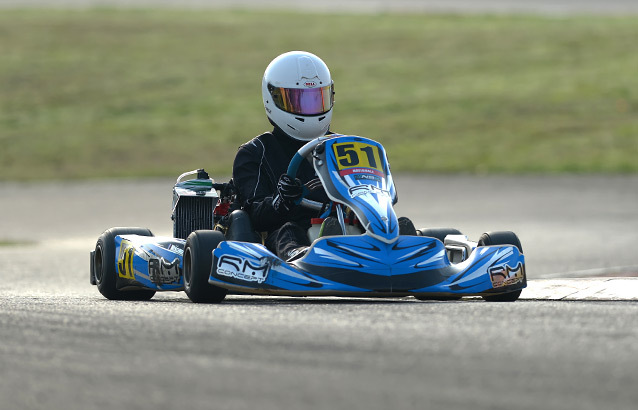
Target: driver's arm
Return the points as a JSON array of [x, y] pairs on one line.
[[256, 185]]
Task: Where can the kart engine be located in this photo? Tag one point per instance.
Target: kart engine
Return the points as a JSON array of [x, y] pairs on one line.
[[194, 203]]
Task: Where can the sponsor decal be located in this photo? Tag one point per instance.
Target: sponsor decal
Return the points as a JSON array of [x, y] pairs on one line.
[[310, 84], [505, 275], [369, 171], [176, 249], [162, 272], [359, 190], [366, 177], [125, 260], [241, 268]]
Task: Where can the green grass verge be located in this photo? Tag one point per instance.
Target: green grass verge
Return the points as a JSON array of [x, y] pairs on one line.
[[103, 93], [7, 243]]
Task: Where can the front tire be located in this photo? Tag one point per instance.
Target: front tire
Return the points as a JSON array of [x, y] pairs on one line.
[[104, 266], [438, 233], [501, 238], [198, 261]]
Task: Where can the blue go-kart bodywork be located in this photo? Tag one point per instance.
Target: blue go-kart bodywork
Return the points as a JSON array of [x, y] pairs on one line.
[[378, 262]]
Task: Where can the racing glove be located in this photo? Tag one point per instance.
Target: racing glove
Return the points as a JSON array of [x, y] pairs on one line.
[[289, 192]]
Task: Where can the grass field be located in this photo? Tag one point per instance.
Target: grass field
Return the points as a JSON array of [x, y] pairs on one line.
[[104, 93]]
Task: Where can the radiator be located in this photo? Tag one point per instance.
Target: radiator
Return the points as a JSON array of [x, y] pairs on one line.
[[193, 213]]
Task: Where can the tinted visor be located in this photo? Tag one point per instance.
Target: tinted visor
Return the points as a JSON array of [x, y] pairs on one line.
[[303, 101]]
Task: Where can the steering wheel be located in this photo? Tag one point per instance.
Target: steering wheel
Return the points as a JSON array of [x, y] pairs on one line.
[[305, 153]]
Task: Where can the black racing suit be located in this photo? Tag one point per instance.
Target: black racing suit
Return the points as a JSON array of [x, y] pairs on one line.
[[258, 165]]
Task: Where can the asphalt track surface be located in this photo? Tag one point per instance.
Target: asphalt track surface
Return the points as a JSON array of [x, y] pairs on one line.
[[568, 344]]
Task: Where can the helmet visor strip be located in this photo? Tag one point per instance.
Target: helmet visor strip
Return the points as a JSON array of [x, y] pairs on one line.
[[303, 101]]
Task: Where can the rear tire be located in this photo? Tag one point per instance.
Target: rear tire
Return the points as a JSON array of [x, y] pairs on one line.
[[104, 266], [198, 261], [438, 233], [501, 238]]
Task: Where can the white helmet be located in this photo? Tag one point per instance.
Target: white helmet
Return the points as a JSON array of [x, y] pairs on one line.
[[298, 94]]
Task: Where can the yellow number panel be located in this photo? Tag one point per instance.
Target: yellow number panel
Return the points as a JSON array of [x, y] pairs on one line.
[[125, 260], [357, 154]]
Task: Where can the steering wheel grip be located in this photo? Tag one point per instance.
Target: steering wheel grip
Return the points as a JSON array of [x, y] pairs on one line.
[[293, 168]]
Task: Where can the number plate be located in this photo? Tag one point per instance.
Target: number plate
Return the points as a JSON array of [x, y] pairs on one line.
[[357, 155]]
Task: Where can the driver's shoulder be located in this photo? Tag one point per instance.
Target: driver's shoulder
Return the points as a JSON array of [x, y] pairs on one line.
[[259, 144]]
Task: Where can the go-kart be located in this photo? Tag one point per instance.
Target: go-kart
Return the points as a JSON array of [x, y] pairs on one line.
[[214, 250]]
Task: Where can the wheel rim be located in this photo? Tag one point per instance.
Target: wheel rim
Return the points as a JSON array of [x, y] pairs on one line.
[[187, 268], [99, 273]]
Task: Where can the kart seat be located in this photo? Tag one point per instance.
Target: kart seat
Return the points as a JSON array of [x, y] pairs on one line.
[[240, 228]]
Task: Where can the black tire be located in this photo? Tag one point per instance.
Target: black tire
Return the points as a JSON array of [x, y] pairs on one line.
[[104, 266], [438, 233], [198, 261], [501, 238], [406, 227]]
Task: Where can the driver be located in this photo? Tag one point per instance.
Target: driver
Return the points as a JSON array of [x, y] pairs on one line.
[[298, 95]]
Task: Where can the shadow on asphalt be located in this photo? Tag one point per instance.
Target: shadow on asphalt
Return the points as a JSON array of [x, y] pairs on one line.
[[297, 301]]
